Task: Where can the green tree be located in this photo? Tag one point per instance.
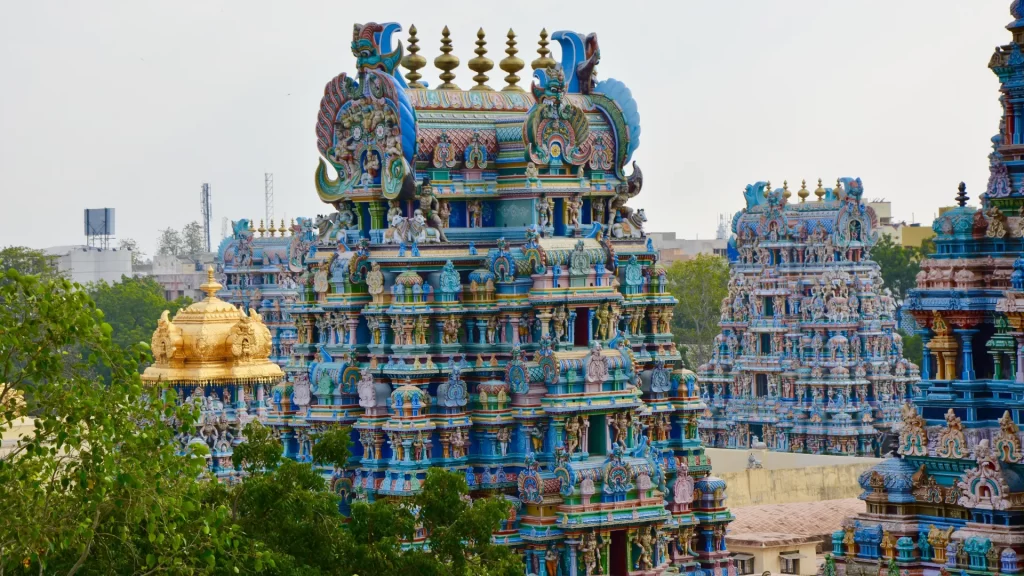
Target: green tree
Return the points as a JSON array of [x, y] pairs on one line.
[[133, 307], [29, 261], [899, 265], [97, 487], [913, 347], [193, 240], [137, 254], [699, 285], [170, 243]]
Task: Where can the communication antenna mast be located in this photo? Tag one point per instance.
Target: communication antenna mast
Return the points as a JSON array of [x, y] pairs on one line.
[[268, 195], [204, 207]]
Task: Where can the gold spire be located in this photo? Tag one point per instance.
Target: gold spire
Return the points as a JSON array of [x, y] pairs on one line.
[[820, 192], [251, 229], [837, 189], [262, 229], [291, 228], [211, 342], [785, 190], [446, 62], [803, 193], [544, 61], [413, 61], [481, 64], [767, 188], [511, 64], [211, 286], [282, 229]]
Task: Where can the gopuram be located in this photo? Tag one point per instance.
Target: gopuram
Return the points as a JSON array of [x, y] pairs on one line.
[[953, 501], [482, 298], [259, 272], [809, 359]]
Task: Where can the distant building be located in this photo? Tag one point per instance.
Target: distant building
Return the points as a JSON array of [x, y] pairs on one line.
[[86, 264], [903, 234], [671, 249], [179, 276]]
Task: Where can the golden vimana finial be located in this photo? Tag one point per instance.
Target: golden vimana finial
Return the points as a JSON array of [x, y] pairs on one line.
[[803, 193], [785, 190], [251, 229], [413, 61], [511, 64], [281, 229], [820, 192], [544, 61], [211, 286], [835, 191], [767, 188], [446, 62], [262, 229], [481, 64]]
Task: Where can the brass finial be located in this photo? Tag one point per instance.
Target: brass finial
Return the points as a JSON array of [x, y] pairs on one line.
[[412, 62], [767, 188], [251, 229], [292, 228], [544, 61], [511, 64], [481, 64], [262, 229], [446, 62], [211, 286], [803, 193], [281, 229], [820, 192], [785, 190], [837, 189]]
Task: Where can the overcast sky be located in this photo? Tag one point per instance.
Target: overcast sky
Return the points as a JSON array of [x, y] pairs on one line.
[[133, 104]]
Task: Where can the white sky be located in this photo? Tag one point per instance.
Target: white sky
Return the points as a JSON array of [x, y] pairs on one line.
[[134, 104]]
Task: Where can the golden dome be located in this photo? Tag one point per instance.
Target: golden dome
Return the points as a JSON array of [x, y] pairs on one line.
[[212, 342]]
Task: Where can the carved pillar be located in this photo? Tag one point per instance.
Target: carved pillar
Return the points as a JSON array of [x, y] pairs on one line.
[[926, 357], [967, 360], [544, 315], [1020, 357], [572, 544], [515, 329], [481, 328], [353, 323], [377, 211]]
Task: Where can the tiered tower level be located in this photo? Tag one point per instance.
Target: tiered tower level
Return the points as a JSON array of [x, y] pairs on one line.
[[482, 298], [808, 359], [257, 268], [953, 501]]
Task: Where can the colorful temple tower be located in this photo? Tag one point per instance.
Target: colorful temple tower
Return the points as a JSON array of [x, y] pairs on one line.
[[215, 355], [808, 359], [483, 299], [260, 272], [953, 501]]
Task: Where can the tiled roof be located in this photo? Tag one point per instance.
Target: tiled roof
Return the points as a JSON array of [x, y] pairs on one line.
[[798, 518]]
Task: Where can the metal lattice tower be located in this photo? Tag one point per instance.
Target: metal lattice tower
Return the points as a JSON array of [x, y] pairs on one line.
[[204, 206], [224, 227], [268, 195]]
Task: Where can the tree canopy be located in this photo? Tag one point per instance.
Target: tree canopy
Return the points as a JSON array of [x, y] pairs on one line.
[[899, 264], [699, 285], [29, 261], [132, 307]]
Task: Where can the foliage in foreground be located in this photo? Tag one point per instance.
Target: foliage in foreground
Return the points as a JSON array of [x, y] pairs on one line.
[[97, 487]]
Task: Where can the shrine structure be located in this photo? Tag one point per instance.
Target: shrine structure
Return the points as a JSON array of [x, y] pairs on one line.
[[953, 501], [483, 298], [809, 359]]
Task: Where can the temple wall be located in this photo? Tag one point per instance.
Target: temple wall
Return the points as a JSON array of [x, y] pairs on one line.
[[788, 477]]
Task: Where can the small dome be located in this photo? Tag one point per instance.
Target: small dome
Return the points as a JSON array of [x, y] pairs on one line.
[[211, 341], [481, 276], [897, 477], [407, 392], [709, 484], [408, 278]]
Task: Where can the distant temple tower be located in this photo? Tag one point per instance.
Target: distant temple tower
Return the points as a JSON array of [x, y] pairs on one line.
[[808, 359], [215, 355]]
